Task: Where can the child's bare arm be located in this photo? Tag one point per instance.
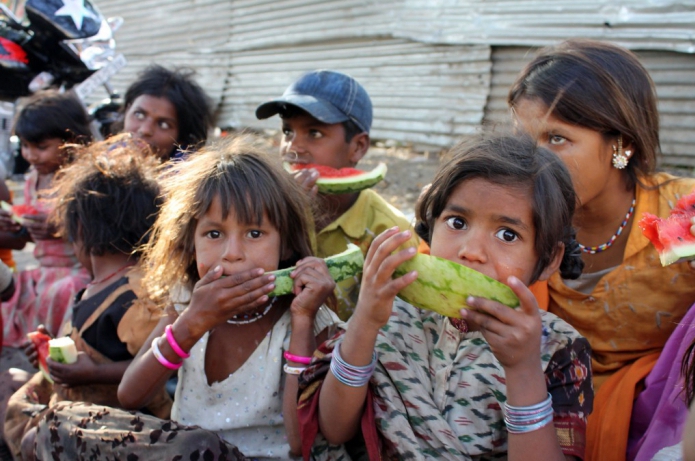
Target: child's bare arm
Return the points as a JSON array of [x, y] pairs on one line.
[[341, 406], [514, 336], [86, 371], [312, 286]]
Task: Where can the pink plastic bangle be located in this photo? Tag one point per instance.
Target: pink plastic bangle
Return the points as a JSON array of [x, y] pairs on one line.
[[297, 358], [161, 359], [174, 345]]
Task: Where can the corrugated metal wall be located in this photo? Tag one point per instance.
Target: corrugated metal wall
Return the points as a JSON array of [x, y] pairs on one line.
[[428, 95], [425, 63], [673, 75]]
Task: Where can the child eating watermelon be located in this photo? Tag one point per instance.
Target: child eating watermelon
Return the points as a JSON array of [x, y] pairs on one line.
[[326, 118]]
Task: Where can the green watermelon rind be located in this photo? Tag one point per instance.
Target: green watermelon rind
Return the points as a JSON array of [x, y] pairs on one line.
[[341, 266], [443, 286], [62, 350]]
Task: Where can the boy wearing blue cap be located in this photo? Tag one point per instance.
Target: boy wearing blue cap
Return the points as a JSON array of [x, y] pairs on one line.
[[326, 118]]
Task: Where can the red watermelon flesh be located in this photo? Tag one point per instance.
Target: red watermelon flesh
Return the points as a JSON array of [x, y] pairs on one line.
[[40, 341], [327, 171], [671, 236]]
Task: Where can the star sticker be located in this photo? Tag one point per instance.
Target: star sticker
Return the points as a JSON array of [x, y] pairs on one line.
[[76, 10]]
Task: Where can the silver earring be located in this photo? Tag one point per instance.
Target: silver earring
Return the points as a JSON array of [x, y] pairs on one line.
[[620, 158]]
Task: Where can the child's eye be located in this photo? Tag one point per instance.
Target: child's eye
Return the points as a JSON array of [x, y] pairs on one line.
[[507, 235], [315, 134], [213, 234], [556, 139], [456, 223], [287, 131], [164, 125], [140, 115], [254, 234]]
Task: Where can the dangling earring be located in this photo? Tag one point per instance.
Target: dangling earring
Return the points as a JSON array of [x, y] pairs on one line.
[[620, 158]]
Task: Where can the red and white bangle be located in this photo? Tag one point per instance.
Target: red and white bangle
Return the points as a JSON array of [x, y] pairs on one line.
[[160, 357], [174, 345], [297, 358]]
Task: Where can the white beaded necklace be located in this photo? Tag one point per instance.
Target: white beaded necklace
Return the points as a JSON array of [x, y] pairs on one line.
[[250, 318]]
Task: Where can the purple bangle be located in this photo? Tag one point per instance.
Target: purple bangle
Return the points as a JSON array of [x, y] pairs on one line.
[[174, 345], [161, 359], [297, 358]]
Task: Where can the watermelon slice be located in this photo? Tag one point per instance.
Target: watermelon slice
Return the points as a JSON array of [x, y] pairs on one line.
[[671, 236], [443, 286], [40, 341], [343, 180], [341, 266], [18, 211], [62, 350]]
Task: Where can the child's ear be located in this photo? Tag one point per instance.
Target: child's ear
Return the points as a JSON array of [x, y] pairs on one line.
[[359, 144], [555, 263]]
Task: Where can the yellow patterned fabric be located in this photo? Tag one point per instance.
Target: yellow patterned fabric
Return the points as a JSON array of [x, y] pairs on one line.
[[369, 216], [633, 309]]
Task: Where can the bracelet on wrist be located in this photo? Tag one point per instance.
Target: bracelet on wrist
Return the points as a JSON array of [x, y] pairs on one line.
[[292, 370], [160, 357], [173, 344], [521, 420], [351, 375], [297, 358]]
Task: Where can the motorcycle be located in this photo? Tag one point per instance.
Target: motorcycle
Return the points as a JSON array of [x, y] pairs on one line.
[[65, 44]]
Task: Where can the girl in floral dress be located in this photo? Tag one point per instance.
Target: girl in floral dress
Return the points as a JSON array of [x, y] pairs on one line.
[[405, 383]]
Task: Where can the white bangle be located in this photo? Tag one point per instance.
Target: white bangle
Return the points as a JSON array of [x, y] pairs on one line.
[[292, 370]]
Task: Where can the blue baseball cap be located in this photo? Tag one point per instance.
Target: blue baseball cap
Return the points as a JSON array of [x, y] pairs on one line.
[[328, 96]]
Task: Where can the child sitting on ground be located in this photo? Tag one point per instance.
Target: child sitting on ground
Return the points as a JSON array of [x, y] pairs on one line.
[[43, 295], [412, 384], [106, 202], [231, 215], [326, 118]]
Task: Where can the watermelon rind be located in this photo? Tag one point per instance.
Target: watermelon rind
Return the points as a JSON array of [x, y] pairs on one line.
[[443, 286], [352, 184], [677, 254], [349, 184], [341, 266], [7, 207], [62, 350]]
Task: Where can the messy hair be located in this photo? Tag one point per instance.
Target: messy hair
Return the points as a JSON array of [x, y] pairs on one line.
[[178, 86], [108, 197], [248, 182], [512, 161], [50, 114]]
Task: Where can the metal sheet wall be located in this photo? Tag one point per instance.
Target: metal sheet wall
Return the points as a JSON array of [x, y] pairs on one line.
[[636, 24], [673, 75], [423, 94]]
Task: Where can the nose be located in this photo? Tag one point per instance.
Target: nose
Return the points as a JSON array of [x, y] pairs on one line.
[[233, 250], [146, 128], [293, 148], [472, 248]]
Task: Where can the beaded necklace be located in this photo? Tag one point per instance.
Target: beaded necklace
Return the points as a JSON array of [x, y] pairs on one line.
[[607, 245], [250, 318]]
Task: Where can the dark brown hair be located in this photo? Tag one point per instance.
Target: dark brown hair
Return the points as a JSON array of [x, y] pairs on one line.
[[50, 114], [599, 86], [177, 85], [108, 197], [512, 161], [247, 181]]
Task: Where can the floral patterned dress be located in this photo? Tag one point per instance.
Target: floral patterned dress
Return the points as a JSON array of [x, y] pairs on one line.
[[437, 393]]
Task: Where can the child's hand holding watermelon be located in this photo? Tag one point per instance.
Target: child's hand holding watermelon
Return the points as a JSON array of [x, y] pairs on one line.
[[9, 222]]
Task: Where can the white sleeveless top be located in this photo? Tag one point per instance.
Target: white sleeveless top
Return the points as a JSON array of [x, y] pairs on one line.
[[246, 408]]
